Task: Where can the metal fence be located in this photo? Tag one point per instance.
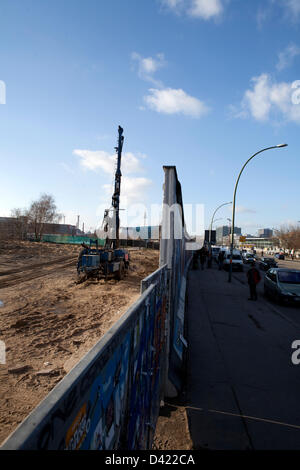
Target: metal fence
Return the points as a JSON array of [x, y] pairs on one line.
[[70, 239], [77, 240]]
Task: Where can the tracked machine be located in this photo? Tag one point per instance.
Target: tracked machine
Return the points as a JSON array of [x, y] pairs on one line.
[[110, 260]]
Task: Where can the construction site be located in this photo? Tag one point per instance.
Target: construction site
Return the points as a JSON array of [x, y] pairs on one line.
[[61, 301], [49, 321]]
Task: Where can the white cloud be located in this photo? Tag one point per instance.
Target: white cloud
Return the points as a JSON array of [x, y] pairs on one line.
[[172, 3], [99, 159], [244, 210], [291, 10], [269, 99], [261, 16], [258, 99], [147, 66], [162, 99], [237, 111], [204, 9], [133, 188], [175, 101], [285, 58], [293, 7], [290, 7]]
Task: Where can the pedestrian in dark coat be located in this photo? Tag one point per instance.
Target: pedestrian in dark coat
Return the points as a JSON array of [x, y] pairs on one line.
[[195, 259], [221, 259], [202, 257], [254, 277]]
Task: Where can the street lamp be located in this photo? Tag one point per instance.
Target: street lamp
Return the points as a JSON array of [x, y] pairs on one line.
[[211, 223], [220, 218], [212, 219], [234, 196], [229, 228]]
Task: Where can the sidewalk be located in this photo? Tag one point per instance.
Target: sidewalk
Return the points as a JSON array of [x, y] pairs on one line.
[[239, 363]]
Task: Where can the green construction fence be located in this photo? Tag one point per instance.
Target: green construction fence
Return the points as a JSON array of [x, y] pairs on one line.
[[69, 239]]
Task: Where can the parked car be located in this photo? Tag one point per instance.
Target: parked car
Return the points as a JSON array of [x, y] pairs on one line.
[[237, 262], [283, 285], [279, 255], [248, 258], [266, 263]]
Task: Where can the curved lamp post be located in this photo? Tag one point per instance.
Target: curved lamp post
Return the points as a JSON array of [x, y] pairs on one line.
[[211, 223], [212, 219], [216, 220], [233, 206]]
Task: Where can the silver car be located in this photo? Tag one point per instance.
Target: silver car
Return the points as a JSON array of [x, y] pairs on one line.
[[283, 285], [248, 258]]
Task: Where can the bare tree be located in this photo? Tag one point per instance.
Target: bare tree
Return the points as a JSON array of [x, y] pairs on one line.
[[289, 237], [20, 223], [42, 211]]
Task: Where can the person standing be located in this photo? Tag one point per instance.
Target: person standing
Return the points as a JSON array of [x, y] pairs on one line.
[[202, 257], [195, 259], [209, 258], [221, 259], [254, 277]]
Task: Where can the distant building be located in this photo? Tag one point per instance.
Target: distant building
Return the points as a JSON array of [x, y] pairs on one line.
[[265, 233], [10, 228], [61, 229], [142, 233], [261, 243], [224, 232]]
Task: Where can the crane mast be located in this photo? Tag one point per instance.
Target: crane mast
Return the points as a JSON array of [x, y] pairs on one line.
[[111, 260], [117, 189]]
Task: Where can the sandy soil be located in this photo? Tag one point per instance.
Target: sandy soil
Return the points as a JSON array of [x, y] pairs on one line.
[[172, 430], [48, 322]]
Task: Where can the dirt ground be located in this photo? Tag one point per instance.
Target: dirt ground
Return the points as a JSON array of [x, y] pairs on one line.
[[48, 322], [172, 430]]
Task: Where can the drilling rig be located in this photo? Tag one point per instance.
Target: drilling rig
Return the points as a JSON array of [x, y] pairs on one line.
[[111, 260]]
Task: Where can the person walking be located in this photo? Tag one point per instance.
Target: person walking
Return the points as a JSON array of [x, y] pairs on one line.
[[254, 277], [195, 259], [209, 258], [202, 257], [221, 259]]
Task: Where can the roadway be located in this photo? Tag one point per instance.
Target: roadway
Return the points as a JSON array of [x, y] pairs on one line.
[[242, 388]]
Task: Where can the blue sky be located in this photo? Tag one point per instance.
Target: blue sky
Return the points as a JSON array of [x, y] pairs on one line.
[[200, 84]]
